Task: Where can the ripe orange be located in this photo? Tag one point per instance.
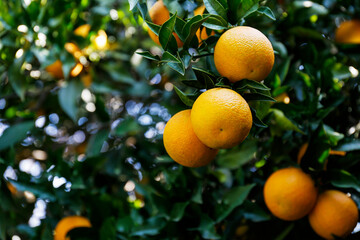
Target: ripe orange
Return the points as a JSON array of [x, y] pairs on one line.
[[82, 30], [348, 32], [68, 223], [159, 14], [290, 194], [201, 33], [182, 145], [55, 69], [221, 118], [244, 53], [334, 213]]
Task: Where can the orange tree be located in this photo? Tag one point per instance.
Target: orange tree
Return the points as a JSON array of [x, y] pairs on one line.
[[85, 96]]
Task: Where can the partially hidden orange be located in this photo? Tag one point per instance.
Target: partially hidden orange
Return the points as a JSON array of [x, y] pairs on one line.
[[182, 144], [159, 14], [68, 223], [221, 118], [290, 194], [348, 32], [335, 213]]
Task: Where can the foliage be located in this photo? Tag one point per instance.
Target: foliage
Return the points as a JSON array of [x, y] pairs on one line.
[[91, 144]]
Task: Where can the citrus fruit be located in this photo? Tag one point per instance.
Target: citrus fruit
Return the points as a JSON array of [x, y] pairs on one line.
[[290, 194], [335, 213], [182, 145], [159, 14], [244, 53], [55, 69], [221, 118], [82, 30], [201, 32], [348, 32], [68, 223]]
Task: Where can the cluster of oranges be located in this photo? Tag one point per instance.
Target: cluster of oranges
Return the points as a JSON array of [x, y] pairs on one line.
[[220, 118], [291, 194]]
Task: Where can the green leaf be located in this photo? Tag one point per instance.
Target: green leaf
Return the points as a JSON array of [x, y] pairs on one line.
[[232, 199], [248, 7], [194, 83], [132, 3], [184, 98], [16, 78], [285, 232], [190, 29], [204, 77], [253, 212], [249, 84], [168, 57], [108, 229], [178, 67], [333, 137], [127, 126], [216, 8], [354, 145], [153, 27], [257, 97], [96, 142], [166, 37], [237, 157], [267, 12], [344, 179], [257, 120], [207, 228], [15, 134], [215, 22], [281, 123], [178, 210], [148, 55], [68, 98]]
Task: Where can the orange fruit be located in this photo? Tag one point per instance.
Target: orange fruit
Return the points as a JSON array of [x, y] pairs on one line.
[[290, 194], [348, 32], [221, 118], [334, 213], [82, 30], [55, 69], [159, 14], [68, 223], [244, 53], [182, 145], [201, 33]]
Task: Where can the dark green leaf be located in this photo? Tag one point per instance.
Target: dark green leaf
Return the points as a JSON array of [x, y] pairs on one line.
[[354, 145], [184, 98], [257, 97], [249, 84], [267, 12], [132, 3], [68, 98], [16, 78], [148, 55], [15, 134], [166, 37], [344, 179], [96, 143], [215, 7], [168, 57], [238, 156]]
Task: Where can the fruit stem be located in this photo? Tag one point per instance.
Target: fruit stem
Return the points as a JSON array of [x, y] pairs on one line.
[[202, 55]]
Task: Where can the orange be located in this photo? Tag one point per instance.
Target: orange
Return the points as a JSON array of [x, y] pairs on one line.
[[244, 53], [348, 32], [290, 194], [201, 33], [221, 118], [82, 30], [68, 223], [182, 145], [334, 213], [159, 14], [55, 69]]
